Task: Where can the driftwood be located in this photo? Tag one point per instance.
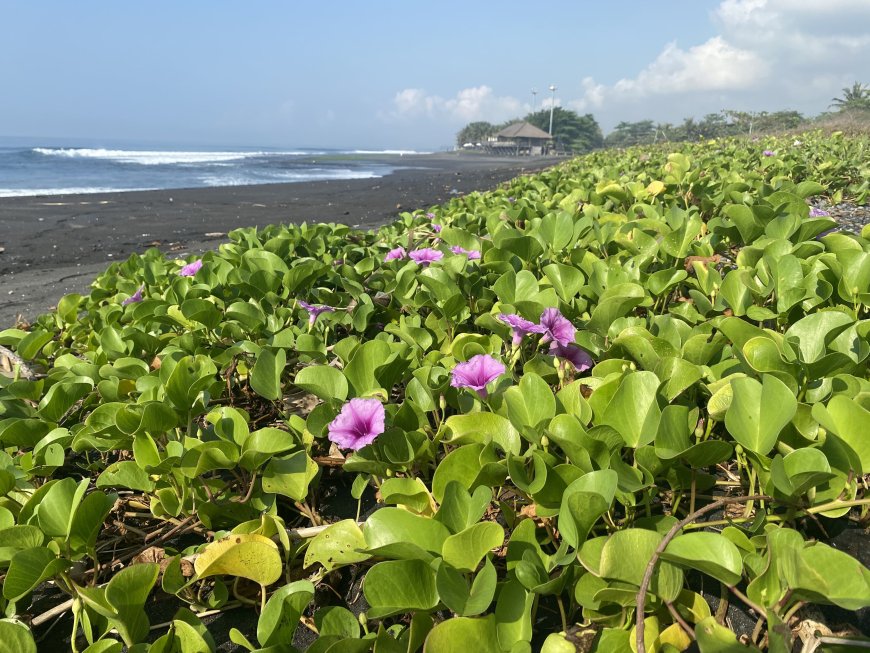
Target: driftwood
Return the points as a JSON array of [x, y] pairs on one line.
[[9, 361]]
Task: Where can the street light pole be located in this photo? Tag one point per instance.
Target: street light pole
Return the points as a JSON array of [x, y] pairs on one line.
[[534, 99], [552, 104]]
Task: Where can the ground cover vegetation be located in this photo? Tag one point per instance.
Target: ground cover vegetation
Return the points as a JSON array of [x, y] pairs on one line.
[[596, 409]]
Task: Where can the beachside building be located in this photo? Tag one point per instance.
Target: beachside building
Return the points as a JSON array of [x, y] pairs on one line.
[[521, 138]]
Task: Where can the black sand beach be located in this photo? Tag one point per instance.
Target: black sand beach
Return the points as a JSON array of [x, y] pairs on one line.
[[54, 245]]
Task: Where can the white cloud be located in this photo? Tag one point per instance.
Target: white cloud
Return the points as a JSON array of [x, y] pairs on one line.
[[469, 104], [769, 54]]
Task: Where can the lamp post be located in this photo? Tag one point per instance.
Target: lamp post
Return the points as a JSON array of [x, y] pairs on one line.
[[552, 104], [534, 99]]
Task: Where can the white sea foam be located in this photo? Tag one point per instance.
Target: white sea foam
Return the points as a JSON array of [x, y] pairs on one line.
[[284, 177], [399, 152], [83, 190], [156, 157]]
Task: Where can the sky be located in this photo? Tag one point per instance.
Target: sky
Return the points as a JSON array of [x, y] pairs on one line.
[[391, 74]]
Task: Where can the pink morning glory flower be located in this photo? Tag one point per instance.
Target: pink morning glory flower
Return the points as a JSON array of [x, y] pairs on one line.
[[520, 326], [134, 298], [472, 254], [358, 424], [436, 228], [769, 153], [191, 269], [395, 254], [818, 213], [314, 310], [425, 256], [556, 327], [430, 215], [477, 373], [573, 354]]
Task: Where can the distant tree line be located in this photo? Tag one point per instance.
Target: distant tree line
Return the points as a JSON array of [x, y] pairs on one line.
[[571, 131], [576, 133]]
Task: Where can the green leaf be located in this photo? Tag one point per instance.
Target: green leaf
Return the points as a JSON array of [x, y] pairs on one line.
[[710, 553], [634, 411], [713, 638], [126, 474], [393, 532], [399, 586], [266, 374], [323, 381], [28, 569], [483, 427], [455, 593], [531, 402], [339, 544], [127, 593], [290, 475], [464, 550], [459, 509], [625, 556], [850, 422], [583, 502], [360, 371], [464, 633], [281, 615], [759, 412], [16, 638]]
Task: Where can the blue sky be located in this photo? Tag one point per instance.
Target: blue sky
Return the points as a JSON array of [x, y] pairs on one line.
[[390, 74]]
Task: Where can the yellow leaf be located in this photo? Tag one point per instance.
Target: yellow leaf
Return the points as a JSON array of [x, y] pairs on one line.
[[248, 556], [655, 188], [676, 637]]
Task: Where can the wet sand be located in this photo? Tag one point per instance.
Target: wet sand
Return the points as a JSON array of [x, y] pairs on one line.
[[54, 245]]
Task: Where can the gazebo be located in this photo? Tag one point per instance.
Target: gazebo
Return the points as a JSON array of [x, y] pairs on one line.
[[522, 137]]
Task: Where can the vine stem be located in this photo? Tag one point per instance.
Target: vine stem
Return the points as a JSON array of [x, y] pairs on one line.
[[640, 599]]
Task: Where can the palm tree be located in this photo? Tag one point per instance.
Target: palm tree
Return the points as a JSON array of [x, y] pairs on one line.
[[856, 97]]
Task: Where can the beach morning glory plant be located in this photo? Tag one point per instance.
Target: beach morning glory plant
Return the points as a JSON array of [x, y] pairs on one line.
[[395, 254], [425, 256], [476, 373], [191, 269], [521, 326], [556, 327], [134, 298], [314, 310], [358, 424], [573, 354], [472, 254]]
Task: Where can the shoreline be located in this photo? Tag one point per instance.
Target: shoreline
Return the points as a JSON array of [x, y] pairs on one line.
[[56, 244]]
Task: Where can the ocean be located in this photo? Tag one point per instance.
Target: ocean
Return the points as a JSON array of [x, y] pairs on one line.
[[38, 169]]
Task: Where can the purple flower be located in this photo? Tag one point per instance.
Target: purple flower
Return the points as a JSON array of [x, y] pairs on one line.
[[135, 297], [573, 354], [818, 213], [476, 373], [191, 269], [358, 424], [472, 254], [394, 254], [520, 326], [425, 256], [512, 199], [314, 310], [556, 327], [430, 215], [436, 228], [769, 153]]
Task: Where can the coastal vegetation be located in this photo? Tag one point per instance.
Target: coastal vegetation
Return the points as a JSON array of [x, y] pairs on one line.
[[580, 134], [606, 407]]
